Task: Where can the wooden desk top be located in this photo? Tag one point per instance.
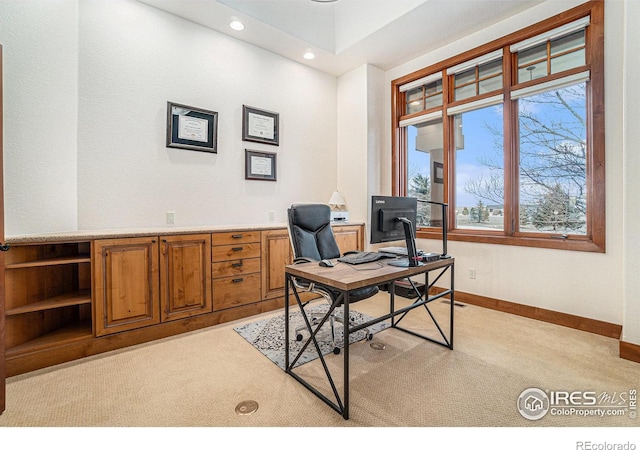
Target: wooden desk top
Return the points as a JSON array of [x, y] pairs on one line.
[[346, 277]]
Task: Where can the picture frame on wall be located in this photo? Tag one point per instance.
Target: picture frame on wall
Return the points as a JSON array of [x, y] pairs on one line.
[[192, 128], [260, 165], [261, 126]]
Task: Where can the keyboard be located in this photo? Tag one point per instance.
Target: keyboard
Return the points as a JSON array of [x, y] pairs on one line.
[[363, 257]]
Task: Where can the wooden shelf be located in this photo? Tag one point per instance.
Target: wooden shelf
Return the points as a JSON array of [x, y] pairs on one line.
[[50, 262], [61, 336], [73, 298]]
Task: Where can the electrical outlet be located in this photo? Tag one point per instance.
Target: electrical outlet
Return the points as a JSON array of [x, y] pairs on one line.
[[171, 218], [272, 216], [472, 274]]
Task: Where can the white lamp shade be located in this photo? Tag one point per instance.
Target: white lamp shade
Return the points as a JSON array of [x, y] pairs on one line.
[[337, 200]]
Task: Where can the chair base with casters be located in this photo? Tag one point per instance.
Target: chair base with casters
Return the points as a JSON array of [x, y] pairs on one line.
[[336, 316], [312, 240]]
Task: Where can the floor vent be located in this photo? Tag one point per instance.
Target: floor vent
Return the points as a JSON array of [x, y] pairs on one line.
[[246, 407], [459, 305]]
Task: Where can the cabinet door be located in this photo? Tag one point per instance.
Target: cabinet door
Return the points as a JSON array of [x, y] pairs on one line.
[[276, 253], [185, 276], [349, 237], [126, 284]]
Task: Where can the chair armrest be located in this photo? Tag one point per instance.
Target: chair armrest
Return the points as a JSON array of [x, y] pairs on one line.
[[303, 259]]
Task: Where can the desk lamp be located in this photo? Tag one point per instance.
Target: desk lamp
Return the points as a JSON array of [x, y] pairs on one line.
[[338, 208]]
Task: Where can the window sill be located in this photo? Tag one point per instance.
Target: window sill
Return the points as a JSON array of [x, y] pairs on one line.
[[571, 243]]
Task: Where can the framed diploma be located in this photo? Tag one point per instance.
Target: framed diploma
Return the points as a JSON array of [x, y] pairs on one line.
[[192, 128], [260, 126], [259, 166]]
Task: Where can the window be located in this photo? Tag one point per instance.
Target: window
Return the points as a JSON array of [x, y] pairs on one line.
[[511, 137], [424, 97], [422, 94], [477, 77], [479, 171], [553, 161], [425, 170]]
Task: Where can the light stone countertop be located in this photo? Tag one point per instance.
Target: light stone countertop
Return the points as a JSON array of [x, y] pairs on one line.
[[86, 235]]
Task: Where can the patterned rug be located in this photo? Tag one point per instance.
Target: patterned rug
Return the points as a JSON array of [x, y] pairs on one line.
[[267, 335]]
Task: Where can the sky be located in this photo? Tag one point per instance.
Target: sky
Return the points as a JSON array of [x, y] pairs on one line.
[[479, 144]]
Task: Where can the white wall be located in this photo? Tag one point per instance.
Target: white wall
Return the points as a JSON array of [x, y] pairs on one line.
[[352, 141], [40, 46], [360, 126], [133, 59], [630, 94], [86, 86], [580, 283]]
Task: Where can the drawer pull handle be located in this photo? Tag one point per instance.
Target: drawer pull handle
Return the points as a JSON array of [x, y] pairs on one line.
[[236, 236], [237, 249], [238, 264], [238, 280]]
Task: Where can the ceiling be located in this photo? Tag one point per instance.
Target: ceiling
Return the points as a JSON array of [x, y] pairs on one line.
[[346, 34]]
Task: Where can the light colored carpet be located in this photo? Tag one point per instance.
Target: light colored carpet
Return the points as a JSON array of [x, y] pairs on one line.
[[197, 379]]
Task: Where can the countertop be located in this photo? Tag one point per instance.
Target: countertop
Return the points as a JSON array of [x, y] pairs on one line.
[[86, 235]]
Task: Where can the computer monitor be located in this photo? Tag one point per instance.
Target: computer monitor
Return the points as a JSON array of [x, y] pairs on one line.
[[392, 219]]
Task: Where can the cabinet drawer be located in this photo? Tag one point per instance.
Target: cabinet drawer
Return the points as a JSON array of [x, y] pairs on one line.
[[235, 291], [235, 237], [235, 267], [236, 251]]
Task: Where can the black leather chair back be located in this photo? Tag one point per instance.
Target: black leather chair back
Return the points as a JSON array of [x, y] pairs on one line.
[[310, 231]]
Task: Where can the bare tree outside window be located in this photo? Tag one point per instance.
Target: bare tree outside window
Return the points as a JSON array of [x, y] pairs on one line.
[[552, 163]]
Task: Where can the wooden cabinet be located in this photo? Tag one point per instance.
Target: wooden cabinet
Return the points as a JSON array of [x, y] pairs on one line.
[[74, 298], [277, 253], [126, 284], [185, 276], [349, 237], [235, 269]]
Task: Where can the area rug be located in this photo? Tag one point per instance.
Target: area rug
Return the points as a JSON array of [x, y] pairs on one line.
[[267, 335]]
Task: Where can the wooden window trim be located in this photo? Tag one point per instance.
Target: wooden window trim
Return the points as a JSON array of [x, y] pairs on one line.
[[596, 194]]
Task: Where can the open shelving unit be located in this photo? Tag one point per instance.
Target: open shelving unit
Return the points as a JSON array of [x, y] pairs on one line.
[[47, 295]]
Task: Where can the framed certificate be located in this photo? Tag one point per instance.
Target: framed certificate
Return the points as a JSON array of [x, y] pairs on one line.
[[192, 128], [260, 126], [259, 166]]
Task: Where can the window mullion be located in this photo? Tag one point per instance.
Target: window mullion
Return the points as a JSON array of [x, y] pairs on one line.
[[510, 148], [449, 154]]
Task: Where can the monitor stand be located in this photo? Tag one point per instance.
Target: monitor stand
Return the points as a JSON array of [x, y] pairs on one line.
[[412, 254]]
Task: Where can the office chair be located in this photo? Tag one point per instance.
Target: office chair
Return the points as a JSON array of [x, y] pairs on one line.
[[312, 240]]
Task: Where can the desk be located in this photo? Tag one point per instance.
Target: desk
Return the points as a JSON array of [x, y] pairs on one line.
[[345, 278]]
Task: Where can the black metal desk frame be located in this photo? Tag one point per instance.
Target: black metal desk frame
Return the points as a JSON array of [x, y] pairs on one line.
[[341, 404]]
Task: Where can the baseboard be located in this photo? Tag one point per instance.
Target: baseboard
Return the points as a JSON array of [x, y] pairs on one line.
[[545, 315], [630, 351]]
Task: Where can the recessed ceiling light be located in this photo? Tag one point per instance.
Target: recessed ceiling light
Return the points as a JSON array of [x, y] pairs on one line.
[[324, 1], [237, 25], [308, 55]]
